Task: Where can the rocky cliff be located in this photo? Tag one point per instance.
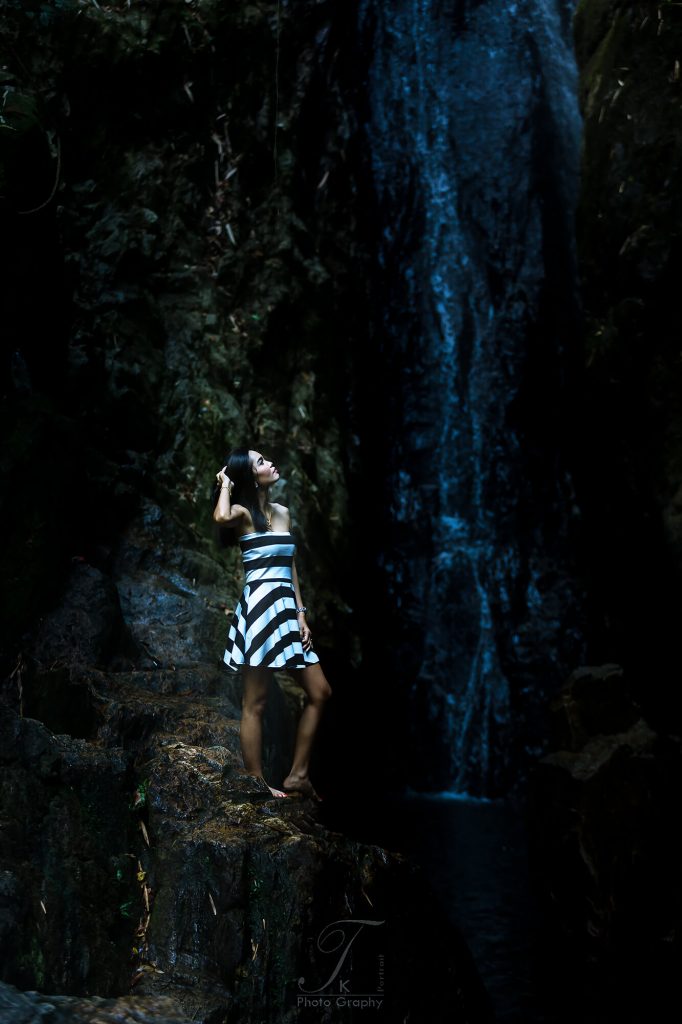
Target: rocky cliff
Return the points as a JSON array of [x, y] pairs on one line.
[[628, 229]]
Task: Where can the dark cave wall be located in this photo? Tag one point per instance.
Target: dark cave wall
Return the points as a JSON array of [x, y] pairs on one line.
[[629, 236], [604, 852]]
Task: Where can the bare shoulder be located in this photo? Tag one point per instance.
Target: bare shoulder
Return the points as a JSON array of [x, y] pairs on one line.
[[282, 513]]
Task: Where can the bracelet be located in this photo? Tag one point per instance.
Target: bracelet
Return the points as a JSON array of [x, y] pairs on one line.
[[298, 610], [225, 487]]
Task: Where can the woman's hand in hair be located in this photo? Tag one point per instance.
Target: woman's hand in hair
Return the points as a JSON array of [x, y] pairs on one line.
[[225, 512], [223, 478]]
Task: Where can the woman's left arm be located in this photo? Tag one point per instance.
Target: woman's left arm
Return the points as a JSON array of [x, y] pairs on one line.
[[306, 637]]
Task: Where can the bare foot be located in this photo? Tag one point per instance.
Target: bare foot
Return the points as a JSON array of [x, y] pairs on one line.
[[300, 784], [275, 792]]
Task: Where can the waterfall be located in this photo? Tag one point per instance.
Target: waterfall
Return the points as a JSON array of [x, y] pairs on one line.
[[475, 132]]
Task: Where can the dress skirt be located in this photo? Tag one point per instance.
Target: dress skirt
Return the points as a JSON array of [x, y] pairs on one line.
[[264, 629]]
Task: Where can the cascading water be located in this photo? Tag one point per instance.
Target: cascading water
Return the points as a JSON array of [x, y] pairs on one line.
[[474, 131]]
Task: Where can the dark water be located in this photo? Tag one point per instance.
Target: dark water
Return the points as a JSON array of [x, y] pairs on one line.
[[474, 854]]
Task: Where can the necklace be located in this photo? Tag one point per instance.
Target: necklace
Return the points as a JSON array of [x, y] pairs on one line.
[[268, 519]]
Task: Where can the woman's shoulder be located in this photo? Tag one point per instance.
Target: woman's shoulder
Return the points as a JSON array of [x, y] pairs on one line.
[[282, 514]]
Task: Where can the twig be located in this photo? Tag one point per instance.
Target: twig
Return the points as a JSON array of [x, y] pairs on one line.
[[54, 187]]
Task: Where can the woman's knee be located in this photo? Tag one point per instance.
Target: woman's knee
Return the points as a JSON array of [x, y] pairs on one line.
[[321, 692], [315, 684], [254, 705]]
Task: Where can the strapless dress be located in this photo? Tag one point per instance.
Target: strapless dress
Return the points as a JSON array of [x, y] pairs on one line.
[[264, 628]]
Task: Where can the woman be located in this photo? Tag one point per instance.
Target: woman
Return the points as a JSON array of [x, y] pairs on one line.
[[268, 629]]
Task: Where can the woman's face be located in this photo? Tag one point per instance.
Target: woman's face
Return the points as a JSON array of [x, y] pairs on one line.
[[265, 472]]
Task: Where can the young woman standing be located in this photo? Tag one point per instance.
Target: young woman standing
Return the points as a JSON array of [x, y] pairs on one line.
[[268, 630]]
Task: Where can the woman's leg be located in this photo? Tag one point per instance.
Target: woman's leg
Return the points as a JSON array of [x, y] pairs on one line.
[[256, 679], [318, 689]]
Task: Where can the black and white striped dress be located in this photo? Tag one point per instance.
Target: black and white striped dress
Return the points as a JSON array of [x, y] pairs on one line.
[[264, 628]]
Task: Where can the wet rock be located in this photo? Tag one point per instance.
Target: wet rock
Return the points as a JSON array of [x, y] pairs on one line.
[[66, 851], [595, 700], [86, 625], [28, 1007]]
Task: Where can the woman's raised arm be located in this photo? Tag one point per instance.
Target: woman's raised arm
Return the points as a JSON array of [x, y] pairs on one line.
[[225, 512]]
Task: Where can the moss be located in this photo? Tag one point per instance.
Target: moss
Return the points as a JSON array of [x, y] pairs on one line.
[[32, 965]]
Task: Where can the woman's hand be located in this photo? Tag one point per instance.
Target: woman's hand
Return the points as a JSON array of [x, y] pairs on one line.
[[223, 478], [306, 636]]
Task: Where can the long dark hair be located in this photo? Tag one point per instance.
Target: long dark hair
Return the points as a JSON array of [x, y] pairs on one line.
[[237, 466]]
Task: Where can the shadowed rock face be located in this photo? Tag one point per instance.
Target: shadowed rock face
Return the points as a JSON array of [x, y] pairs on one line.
[[605, 853], [183, 877], [629, 238]]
